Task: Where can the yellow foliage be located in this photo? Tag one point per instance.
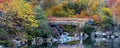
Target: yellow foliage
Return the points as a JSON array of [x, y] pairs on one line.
[[95, 5], [58, 8], [48, 13], [106, 9], [72, 16], [23, 10]]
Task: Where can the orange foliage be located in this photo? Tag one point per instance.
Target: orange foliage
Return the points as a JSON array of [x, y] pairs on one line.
[[83, 14], [116, 10], [95, 17], [116, 7]]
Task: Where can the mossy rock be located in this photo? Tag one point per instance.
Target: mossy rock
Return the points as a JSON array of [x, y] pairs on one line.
[[72, 42], [2, 42]]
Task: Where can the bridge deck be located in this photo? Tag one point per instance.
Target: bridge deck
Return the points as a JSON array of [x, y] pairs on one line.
[[67, 21]]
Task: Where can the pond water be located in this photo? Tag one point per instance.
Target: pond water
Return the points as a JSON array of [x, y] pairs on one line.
[[87, 43]]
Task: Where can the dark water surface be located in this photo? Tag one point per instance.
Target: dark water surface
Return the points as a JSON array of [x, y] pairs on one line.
[[88, 43]]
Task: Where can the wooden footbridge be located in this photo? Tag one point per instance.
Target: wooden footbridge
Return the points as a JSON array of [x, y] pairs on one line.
[[67, 21]]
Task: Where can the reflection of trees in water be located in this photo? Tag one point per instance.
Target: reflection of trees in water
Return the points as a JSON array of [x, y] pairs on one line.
[[88, 43], [48, 45], [109, 43]]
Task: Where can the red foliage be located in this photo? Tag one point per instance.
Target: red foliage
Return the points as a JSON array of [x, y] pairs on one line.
[[110, 2], [2, 1]]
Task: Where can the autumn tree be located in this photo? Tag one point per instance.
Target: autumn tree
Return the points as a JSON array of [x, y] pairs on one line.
[[106, 23], [59, 11], [66, 9], [116, 11], [18, 16], [43, 28]]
